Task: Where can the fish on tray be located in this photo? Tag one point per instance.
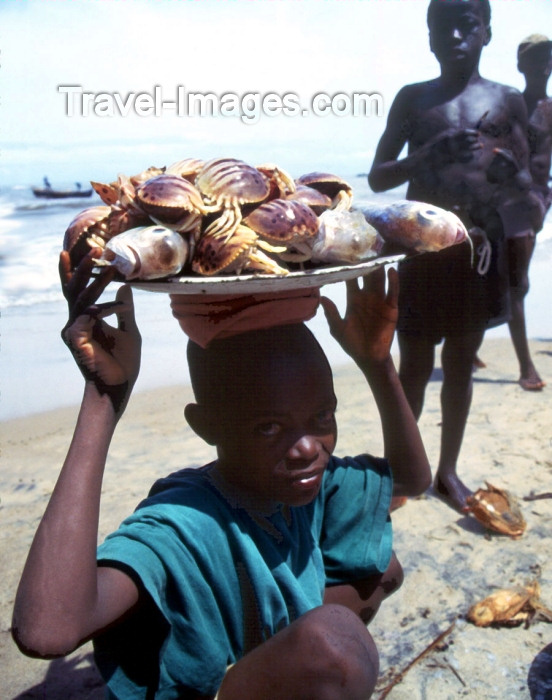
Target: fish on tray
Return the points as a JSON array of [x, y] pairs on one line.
[[416, 226], [164, 221]]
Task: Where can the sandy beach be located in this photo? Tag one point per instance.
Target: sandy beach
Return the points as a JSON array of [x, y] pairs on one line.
[[450, 560]]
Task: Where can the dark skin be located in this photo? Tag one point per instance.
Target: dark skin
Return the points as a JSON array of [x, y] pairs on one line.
[[64, 598], [452, 126], [536, 66]]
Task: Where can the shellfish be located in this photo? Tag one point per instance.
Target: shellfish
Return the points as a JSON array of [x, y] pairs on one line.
[[145, 252], [316, 200], [280, 182], [510, 606], [172, 201], [93, 220], [187, 168], [287, 223], [416, 226], [498, 510], [121, 192], [121, 197], [227, 184], [215, 254], [337, 189], [145, 175], [107, 192]]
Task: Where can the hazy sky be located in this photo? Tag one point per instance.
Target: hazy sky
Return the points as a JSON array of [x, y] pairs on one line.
[[301, 47]]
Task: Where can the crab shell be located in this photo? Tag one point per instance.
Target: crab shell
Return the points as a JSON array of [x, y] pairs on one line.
[[226, 180], [121, 219], [108, 192], [316, 200], [345, 237], [280, 182], [171, 201], [145, 175], [121, 194], [505, 606], [145, 253], [93, 220], [416, 226], [124, 214], [284, 222], [214, 254], [227, 184], [337, 189], [498, 510], [188, 168]]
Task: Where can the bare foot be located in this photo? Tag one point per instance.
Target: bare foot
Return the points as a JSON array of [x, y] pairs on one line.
[[452, 491], [531, 381]]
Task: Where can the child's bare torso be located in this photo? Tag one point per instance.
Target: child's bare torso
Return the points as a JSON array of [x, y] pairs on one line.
[[483, 106], [540, 141]]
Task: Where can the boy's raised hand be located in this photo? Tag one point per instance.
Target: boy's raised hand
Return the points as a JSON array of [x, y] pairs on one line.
[[108, 357], [366, 332]]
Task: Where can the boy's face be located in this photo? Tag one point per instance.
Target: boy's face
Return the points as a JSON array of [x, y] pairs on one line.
[[275, 440], [457, 32], [536, 62]]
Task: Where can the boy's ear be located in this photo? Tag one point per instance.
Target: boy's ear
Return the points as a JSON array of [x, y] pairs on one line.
[[200, 422]]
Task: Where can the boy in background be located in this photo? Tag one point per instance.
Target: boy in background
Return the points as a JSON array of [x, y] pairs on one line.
[[461, 130]]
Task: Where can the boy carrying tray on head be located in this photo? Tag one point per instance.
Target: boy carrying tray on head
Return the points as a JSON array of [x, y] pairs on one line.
[[254, 576]]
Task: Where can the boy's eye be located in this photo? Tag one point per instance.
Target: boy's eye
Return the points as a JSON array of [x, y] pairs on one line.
[[469, 26], [326, 418], [268, 429]]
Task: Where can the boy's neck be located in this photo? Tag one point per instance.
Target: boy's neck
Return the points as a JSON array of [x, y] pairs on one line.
[[237, 496], [535, 91], [459, 77]]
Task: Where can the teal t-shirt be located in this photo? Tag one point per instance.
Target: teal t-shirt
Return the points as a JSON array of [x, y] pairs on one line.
[[221, 578]]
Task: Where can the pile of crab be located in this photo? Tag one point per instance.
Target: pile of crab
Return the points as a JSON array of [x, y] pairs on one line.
[[220, 216]]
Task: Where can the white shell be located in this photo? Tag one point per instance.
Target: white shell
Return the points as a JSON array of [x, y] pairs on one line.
[[146, 253], [344, 236]]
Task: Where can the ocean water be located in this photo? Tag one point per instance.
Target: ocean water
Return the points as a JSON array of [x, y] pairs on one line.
[[36, 371]]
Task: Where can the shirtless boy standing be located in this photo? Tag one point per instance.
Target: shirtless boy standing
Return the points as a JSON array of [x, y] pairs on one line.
[[452, 126], [534, 60]]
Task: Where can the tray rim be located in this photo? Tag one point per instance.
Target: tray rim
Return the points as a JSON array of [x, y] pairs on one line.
[[250, 284]]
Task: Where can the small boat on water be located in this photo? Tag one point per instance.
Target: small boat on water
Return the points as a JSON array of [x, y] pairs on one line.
[[50, 193]]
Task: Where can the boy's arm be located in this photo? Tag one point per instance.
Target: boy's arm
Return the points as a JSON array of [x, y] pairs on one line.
[[516, 198], [63, 597], [540, 130], [519, 133], [387, 171], [366, 334]]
